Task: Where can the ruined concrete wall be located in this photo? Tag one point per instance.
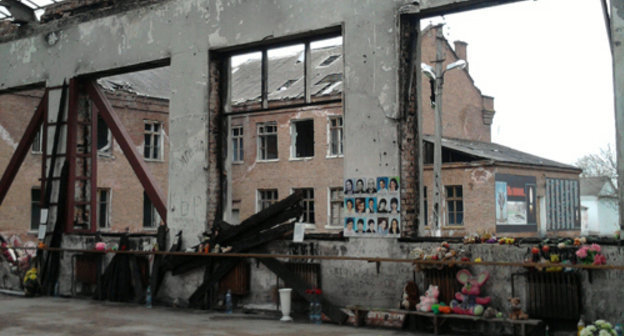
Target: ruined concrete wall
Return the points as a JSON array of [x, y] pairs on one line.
[[358, 283]]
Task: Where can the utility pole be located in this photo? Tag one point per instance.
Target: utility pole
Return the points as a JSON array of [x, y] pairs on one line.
[[437, 142]]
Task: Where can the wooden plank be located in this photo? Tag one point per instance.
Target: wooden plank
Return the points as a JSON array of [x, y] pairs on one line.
[[298, 285]]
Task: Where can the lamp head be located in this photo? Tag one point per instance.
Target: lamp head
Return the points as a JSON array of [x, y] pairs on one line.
[[428, 70], [460, 64]]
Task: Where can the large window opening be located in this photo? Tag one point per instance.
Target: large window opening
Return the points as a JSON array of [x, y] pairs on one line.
[[303, 138]]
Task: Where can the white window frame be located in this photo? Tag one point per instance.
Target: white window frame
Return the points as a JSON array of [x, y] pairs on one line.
[[239, 140], [153, 133], [330, 200], [266, 134], [340, 129], [108, 208], [293, 140]]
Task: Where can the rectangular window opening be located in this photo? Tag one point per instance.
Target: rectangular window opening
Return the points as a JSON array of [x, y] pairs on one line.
[[303, 135], [336, 205], [335, 136], [152, 137], [307, 204], [103, 200], [454, 205], [237, 144], [267, 141], [151, 218], [35, 208], [266, 198]]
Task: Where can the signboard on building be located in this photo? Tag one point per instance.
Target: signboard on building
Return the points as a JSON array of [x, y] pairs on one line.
[[515, 200], [372, 207]]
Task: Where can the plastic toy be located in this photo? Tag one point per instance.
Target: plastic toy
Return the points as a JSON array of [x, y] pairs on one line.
[[468, 301]]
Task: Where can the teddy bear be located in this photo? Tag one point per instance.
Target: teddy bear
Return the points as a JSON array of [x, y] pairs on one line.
[[430, 298], [467, 301], [516, 309], [410, 296]]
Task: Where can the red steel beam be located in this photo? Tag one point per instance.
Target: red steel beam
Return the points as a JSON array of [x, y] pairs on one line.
[[125, 142], [23, 147]]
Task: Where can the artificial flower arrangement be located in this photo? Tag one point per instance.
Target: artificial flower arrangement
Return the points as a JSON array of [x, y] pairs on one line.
[[591, 254], [599, 328]]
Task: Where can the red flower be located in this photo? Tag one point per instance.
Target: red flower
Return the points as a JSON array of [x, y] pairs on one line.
[[600, 259]]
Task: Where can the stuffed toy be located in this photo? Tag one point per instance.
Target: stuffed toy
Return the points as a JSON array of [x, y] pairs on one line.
[[410, 296], [467, 301], [430, 298], [490, 313], [516, 309]]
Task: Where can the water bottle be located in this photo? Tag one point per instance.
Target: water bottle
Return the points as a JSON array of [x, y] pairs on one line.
[[311, 312], [317, 312], [148, 298], [618, 329], [228, 302]]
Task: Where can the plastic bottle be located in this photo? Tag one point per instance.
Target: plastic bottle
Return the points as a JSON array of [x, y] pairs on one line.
[[148, 297], [618, 329], [317, 312], [546, 332], [311, 311], [228, 302], [580, 326]]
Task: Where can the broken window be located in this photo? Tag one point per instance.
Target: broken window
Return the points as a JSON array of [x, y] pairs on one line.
[[302, 132], [266, 198], [103, 200], [104, 137], [285, 69], [245, 83], [562, 204], [335, 136], [237, 144], [307, 204], [335, 206], [35, 209], [454, 205], [329, 60], [151, 218], [151, 148], [267, 141]]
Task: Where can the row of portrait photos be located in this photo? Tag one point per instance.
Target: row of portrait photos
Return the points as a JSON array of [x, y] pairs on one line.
[[372, 226], [372, 185], [371, 205]]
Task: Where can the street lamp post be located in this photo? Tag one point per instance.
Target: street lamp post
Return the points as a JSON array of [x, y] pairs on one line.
[[437, 76]]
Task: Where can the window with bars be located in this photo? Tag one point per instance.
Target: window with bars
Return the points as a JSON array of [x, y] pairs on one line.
[[335, 136], [152, 146], [237, 144], [35, 209], [455, 205], [266, 198], [336, 205], [307, 203], [103, 210], [302, 138], [267, 141]]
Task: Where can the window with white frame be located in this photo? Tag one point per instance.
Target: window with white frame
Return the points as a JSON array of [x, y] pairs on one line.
[[153, 139], [35, 208], [37, 145], [302, 133], [151, 218], [335, 136], [237, 144], [335, 206], [307, 204], [104, 137], [266, 198], [267, 141], [103, 208]]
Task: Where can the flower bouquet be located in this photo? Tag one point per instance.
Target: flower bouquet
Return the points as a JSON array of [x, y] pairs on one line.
[[590, 254], [599, 328]]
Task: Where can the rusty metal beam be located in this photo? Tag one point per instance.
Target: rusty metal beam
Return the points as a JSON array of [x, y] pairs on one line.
[[23, 147], [442, 7], [125, 142]]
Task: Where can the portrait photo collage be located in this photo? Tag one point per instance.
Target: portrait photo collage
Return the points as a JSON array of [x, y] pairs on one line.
[[372, 207]]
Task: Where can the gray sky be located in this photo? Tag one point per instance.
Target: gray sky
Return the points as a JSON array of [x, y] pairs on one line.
[[547, 64]]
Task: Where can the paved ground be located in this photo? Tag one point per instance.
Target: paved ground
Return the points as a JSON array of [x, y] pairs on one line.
[[58, 316]]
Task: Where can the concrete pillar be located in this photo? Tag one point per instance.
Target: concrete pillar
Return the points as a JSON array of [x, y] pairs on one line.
[[617, 35]]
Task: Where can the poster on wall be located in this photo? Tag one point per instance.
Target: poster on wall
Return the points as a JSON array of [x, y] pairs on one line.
[[515, 202], [372, 207]]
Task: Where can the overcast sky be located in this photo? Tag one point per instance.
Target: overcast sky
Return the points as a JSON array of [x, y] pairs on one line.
[[548, 66]]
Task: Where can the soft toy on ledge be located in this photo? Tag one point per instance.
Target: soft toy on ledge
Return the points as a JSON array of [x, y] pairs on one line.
[[430, 298], [468, 301], [410, 296]]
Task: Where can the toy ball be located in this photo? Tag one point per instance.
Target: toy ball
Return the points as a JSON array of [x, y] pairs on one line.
[[100, 246]]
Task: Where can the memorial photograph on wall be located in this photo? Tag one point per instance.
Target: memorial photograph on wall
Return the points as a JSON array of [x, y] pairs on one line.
[[515, 201], [372, 207]]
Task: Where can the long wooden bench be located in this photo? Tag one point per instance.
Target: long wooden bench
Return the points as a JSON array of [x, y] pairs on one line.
[[438, 320]]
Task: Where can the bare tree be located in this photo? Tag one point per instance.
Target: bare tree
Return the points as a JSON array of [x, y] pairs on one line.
[[603, 163]]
